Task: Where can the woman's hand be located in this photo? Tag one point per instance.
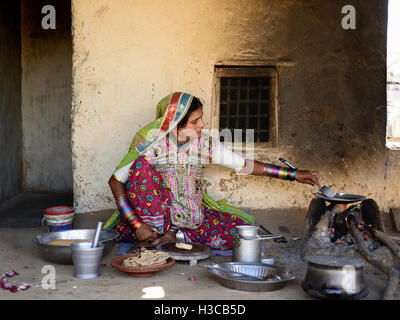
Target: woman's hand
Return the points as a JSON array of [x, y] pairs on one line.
[[168, 237], [146, 233], [307, 176]]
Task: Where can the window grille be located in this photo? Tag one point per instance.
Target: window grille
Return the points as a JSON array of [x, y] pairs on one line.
[[246, 99], [244, 104]]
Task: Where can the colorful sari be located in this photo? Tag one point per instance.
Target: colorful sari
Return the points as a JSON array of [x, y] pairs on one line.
[[219, 217]]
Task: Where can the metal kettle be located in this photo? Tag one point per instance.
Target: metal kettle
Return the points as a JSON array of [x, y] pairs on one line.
[[247, 244]]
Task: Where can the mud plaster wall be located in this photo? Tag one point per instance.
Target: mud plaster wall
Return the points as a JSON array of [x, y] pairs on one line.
[[332, 89], [10, 101], [46, 98]]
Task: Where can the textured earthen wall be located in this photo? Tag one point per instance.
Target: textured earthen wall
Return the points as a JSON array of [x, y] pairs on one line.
[[332, 89]]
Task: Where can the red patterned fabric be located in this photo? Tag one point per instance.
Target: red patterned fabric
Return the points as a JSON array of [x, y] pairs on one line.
[[151, 199]]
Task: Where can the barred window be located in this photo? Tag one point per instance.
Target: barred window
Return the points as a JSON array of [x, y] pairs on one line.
[[246, 100]]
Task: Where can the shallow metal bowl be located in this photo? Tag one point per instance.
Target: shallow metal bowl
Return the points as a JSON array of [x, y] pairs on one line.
[[341, 198], [62, 254], [243, 283]]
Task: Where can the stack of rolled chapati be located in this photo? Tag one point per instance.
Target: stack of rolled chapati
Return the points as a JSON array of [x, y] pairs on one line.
[[147, 258]]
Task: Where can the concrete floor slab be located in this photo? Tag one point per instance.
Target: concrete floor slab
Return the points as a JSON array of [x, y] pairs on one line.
[[19, 253]]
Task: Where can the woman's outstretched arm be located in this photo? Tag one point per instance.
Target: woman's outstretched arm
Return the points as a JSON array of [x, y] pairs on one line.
[[265, 169]]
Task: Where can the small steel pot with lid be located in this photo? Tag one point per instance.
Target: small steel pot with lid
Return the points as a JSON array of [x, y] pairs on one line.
[[247, 244]]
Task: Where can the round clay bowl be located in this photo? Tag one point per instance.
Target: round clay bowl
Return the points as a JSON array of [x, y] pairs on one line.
[[143, 271]]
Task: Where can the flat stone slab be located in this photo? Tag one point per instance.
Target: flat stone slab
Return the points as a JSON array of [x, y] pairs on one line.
[[198, 251]]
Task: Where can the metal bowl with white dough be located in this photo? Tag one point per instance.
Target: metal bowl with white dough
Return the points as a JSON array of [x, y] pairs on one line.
[[62, 253]]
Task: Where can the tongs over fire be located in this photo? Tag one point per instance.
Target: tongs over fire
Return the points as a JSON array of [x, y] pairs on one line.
[[326, 191]]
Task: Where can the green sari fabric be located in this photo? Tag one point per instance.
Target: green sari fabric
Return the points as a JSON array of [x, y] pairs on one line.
[[148, 132], [170, 110]]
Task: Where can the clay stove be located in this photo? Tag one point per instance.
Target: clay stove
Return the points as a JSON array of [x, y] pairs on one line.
[[330, 246], [327, 229]]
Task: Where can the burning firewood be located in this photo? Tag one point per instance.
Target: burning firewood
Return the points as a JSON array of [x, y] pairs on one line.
[[382, 237], [393, 274]]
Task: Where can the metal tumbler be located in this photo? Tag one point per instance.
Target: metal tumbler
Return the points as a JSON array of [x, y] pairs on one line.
[[86, 259]]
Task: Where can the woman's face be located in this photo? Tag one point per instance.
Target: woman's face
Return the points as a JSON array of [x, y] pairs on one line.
[[193, 127]]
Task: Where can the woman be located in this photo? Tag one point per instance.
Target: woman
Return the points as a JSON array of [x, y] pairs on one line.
[[158, 185]]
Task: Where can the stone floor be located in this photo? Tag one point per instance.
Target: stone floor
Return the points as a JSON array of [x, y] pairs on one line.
[[19, 253]]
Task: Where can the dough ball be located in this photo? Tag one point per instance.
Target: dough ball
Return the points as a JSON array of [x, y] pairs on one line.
[[184, 246]]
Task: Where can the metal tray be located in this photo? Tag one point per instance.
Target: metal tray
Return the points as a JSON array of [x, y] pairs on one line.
[[243, 283], [341, 197]]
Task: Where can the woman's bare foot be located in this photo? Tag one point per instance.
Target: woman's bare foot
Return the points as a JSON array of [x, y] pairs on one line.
[[168, 237]]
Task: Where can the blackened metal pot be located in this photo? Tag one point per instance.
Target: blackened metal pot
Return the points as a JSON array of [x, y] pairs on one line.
[[335, 277]]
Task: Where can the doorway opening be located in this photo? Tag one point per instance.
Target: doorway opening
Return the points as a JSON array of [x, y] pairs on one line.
[[393, 76], [35, 108]]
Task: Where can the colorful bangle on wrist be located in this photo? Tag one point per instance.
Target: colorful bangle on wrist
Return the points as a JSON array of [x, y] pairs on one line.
[[136, 223], [293, 175], [128, 214], [279, 172]]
